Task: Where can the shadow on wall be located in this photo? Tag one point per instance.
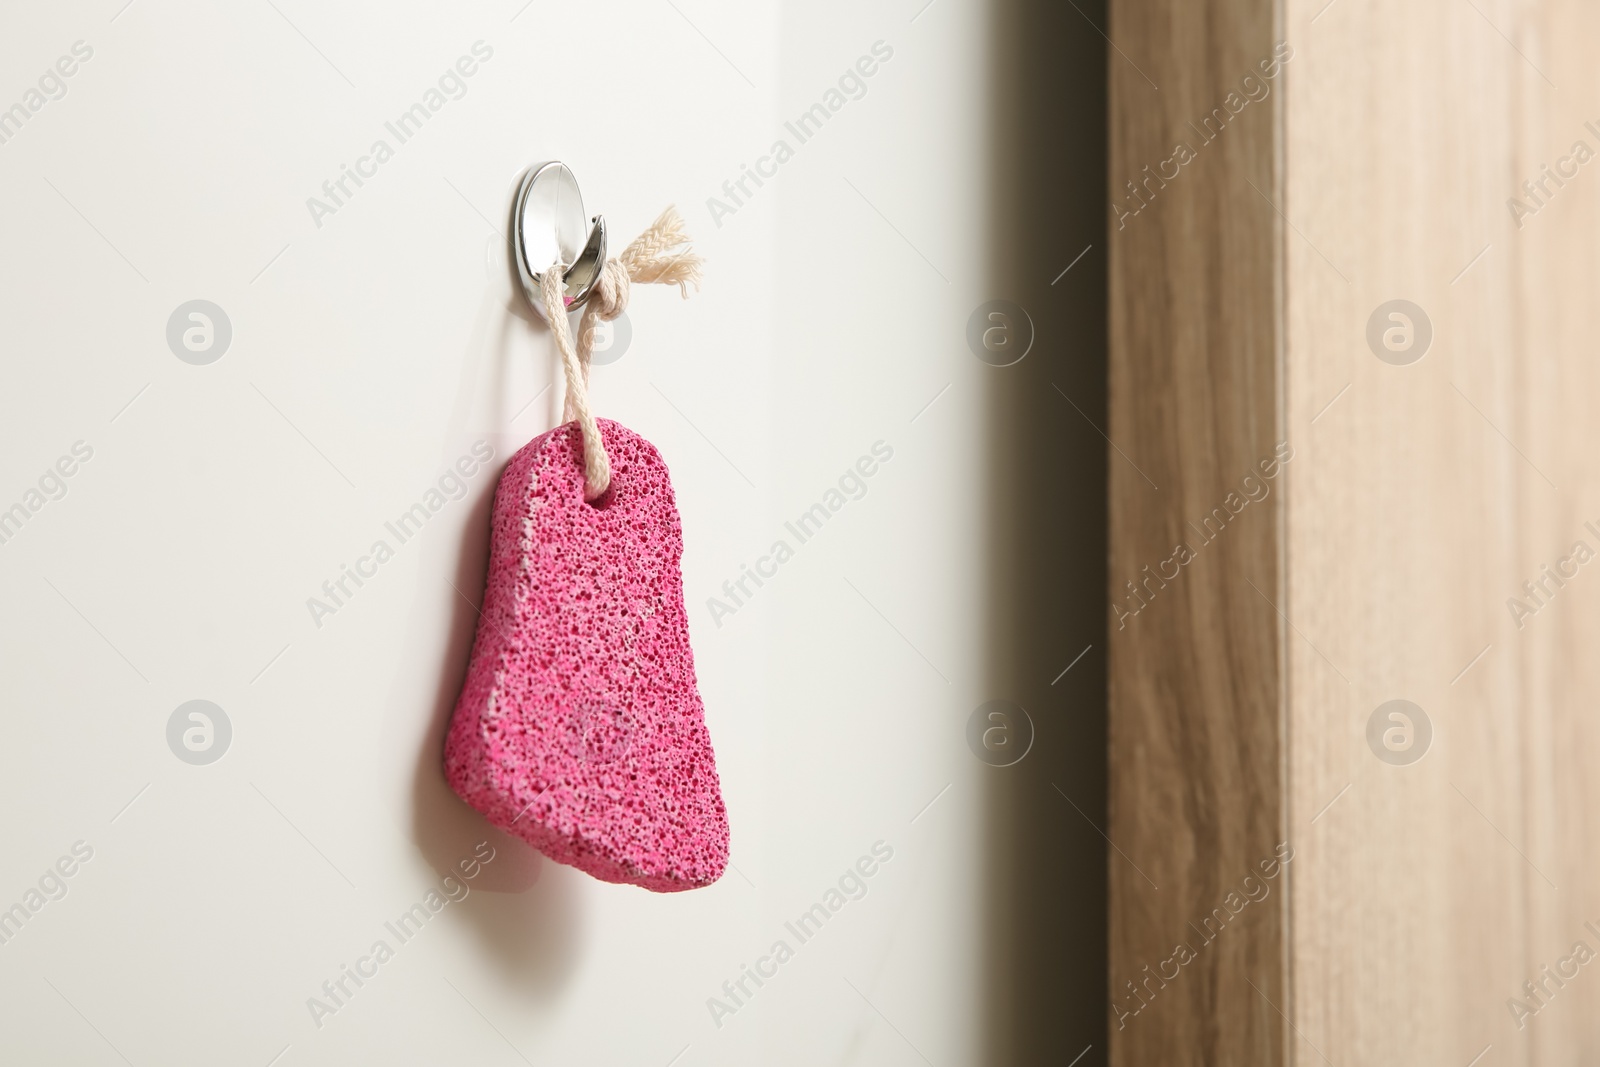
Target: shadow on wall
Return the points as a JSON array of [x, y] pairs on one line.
[[523, 908], [1046, 906]]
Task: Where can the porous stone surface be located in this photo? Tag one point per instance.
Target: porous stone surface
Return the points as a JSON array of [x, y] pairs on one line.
[[580, 728]]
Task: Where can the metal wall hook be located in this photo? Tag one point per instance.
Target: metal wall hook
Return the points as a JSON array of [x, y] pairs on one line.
[[547, 227]]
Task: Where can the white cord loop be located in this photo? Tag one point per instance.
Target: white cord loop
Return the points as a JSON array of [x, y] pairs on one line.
[[654, 257]]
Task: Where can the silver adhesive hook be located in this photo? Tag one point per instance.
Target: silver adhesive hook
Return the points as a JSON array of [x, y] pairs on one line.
[[548, 227]]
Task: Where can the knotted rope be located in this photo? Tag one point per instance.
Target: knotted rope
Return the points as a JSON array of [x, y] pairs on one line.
[[654, 257]]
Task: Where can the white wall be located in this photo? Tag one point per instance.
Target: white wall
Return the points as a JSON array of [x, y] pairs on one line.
[[368, 353]]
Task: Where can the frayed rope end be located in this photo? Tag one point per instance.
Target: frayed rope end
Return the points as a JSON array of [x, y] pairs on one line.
[[661, 255]]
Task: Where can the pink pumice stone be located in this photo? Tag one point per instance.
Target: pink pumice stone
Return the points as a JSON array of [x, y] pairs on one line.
[[580, 728]]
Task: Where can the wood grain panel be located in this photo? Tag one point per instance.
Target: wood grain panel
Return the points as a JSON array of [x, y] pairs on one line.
[[1196, 731], [1420, 502], [1430, 540]]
